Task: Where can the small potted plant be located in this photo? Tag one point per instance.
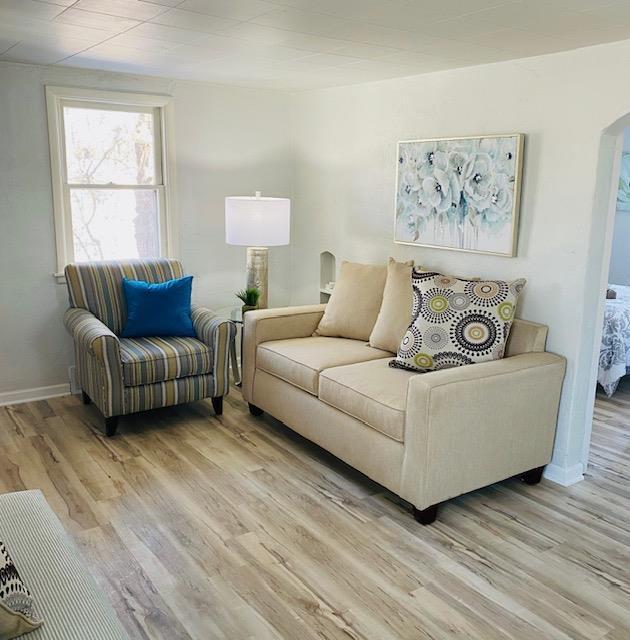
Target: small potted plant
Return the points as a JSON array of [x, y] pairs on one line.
[[249, 297]]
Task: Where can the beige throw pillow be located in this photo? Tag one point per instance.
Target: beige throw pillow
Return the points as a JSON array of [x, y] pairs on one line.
[[355, 302], [395, 313]]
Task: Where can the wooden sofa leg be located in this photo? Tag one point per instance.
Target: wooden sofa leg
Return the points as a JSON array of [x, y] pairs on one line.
[[254, 410], [111, 424], [533, 476], [217, 403], [85, 398], [426, 516]]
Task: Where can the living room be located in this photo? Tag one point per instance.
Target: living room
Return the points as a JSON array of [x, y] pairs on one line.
[[284, 506]]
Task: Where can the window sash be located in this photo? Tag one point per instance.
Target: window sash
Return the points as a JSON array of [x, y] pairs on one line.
[[156, 112], [161, 204], [161, 107]]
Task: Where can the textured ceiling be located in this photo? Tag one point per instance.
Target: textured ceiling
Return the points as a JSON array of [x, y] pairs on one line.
[[299, 44]]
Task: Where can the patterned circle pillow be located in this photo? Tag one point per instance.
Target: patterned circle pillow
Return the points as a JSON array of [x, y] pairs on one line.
[[17, 608], [456, 322]]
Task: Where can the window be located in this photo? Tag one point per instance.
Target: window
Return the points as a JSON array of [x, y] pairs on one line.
[[111, 183]]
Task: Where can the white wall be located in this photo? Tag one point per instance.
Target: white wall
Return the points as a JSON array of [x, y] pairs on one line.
[[620, 258], [345, 141], [228, 141]]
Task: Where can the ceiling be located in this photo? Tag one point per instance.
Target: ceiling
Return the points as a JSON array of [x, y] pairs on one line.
[[299, 44]]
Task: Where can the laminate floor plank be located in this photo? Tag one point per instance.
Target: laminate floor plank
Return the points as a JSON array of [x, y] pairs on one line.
[[205, 527]]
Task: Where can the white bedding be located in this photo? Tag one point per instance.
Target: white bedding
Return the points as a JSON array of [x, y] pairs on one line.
[[614, 355]]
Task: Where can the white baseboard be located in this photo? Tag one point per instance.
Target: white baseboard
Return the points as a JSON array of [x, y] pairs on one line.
[[38, 393], [564, 476]]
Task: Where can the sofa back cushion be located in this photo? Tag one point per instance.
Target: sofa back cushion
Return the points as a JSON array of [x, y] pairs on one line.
[[526, 337], [457, 322], [355, 302], [97, 286], [395, 313]]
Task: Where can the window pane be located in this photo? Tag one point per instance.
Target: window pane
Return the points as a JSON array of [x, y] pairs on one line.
[[104, 146], [110, 224]]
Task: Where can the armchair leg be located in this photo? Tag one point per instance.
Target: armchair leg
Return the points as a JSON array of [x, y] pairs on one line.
[[426, 516], [217, 404], [111, 424], [254, 410], [85, 398], [533, 476]]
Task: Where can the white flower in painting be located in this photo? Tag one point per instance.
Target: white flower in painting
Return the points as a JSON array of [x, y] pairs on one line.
[[479, 181], [440, 191], [501, 200]]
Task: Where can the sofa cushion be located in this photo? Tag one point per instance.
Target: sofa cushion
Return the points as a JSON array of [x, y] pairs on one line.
[[457, 322], [149, 360], [355, 301], [372, 392], [395, 314], [300, 360]]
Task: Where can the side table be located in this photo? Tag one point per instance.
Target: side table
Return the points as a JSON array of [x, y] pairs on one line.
[[235, 314]]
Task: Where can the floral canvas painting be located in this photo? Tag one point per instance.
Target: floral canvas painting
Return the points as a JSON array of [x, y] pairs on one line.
[[623, 195], [460, 193]]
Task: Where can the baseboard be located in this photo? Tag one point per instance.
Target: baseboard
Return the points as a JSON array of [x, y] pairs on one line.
[[38, 393], [564, 476]]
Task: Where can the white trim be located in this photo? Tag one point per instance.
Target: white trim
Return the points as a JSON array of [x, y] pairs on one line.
[[163, 107], [565, 476], [38, 393]]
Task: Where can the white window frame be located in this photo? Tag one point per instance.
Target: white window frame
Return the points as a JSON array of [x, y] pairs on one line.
[[162, 107]]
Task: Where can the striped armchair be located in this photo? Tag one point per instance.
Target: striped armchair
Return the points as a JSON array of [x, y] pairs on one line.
[[125, 375]]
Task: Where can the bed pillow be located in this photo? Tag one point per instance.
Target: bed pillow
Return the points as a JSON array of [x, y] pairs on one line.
[[395, 312], [158, 309], [355, 302], [17, 607], [456, 322]]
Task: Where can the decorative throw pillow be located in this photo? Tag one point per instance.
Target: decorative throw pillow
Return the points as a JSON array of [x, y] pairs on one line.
[[17, 608], [355, 301], [158, 309], [395, 313], [456, 322]]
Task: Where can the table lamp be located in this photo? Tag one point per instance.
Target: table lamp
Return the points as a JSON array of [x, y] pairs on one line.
[[257, 222]]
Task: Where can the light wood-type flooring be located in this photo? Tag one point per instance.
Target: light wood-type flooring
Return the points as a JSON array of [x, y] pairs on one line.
[[236, 528]]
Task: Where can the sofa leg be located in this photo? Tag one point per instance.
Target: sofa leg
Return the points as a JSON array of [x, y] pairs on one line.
[[85, 398], [111, 424], [217, 403], [426, 516], [254, 410], [533, 476]]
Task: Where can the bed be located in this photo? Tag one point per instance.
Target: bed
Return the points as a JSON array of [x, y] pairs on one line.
[[614, 355]]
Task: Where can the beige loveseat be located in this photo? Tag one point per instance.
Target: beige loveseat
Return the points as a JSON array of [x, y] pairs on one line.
[[427, 437]]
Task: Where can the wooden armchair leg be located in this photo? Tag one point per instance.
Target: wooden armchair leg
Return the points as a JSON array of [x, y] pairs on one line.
[[111, 424], [217, 404], [426, 516]]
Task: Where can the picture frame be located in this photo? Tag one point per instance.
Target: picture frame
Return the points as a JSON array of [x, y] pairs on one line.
[[460, 193]]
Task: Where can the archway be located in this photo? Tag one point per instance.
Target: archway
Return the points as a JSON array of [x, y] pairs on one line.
[[596, 276]]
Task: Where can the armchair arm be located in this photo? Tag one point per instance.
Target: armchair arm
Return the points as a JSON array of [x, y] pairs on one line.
[[468, 427], [274, 324], [218, 334], [99, 368]]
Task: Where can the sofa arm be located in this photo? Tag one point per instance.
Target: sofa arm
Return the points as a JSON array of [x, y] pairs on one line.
[[99, 368], [274, 324], [218, 334], [91, 334], [468, 427]]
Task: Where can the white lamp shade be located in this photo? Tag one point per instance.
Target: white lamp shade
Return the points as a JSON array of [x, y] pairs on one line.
[[257, 221]]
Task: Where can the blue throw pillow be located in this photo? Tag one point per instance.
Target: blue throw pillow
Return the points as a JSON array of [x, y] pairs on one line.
[[160, 309]]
